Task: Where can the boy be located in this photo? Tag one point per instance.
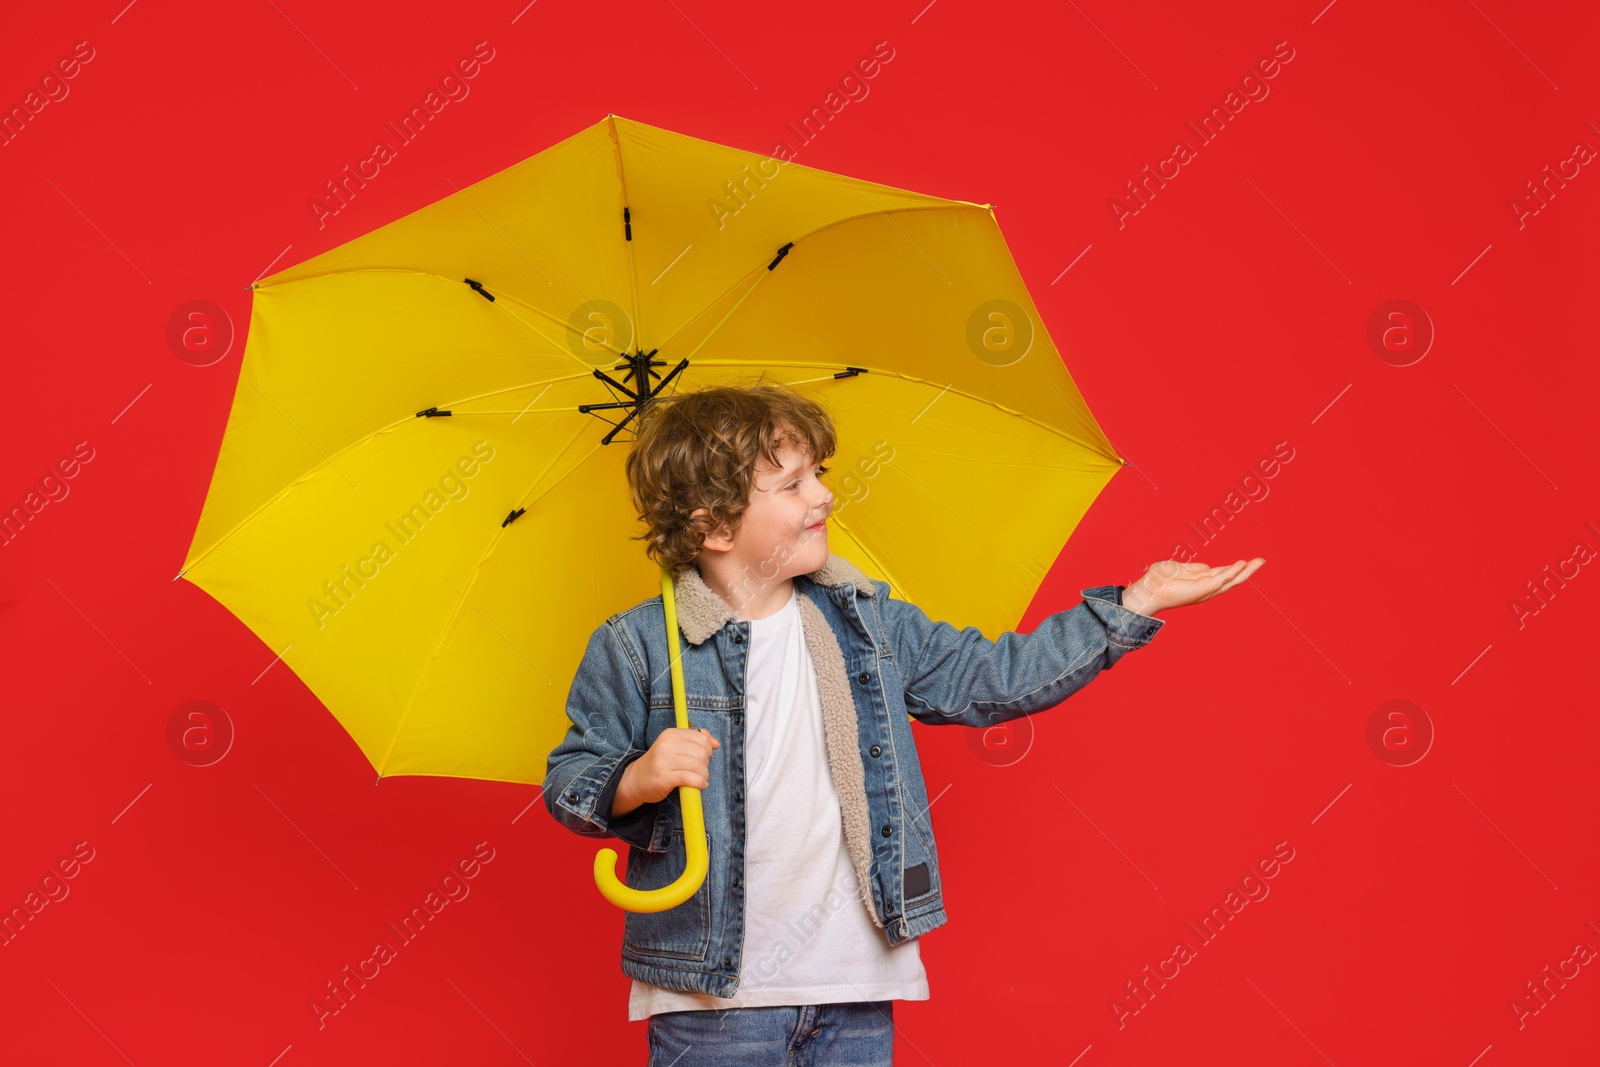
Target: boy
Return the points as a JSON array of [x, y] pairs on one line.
[[799, 673]]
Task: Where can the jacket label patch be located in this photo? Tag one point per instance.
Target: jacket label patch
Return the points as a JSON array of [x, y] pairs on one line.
[[917, 881]]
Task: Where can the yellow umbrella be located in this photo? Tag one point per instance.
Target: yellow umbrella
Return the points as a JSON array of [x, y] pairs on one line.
[[419, 498]]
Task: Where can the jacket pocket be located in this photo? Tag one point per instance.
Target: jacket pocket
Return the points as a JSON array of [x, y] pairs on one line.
[[683, 932]]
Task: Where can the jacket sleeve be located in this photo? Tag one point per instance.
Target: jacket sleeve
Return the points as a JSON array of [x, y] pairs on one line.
[[961, 678], [607, 708]]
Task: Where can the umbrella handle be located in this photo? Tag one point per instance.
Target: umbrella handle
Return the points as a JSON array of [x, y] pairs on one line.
[[694, 824]]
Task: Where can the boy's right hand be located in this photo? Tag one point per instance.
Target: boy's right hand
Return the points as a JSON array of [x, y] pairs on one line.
[[678, 757], [1172, 584]]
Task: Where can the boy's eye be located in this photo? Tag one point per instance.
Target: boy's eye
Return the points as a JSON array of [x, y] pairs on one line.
[[796, 484]]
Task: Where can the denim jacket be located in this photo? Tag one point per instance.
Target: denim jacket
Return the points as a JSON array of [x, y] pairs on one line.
[[878, 660]]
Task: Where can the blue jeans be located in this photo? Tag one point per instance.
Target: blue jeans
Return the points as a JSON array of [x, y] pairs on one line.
[[859, 1034]]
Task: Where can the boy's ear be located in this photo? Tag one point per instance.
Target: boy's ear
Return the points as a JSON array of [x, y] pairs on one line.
[[716, 540]]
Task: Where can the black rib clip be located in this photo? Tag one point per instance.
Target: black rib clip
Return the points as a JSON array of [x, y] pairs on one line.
[[781, 253], [478, 288]]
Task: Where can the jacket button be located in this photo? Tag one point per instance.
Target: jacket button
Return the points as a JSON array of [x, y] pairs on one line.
[[739, 795], [875, 750], [885, 831], [572, 796], [864, 677], [738, 639], [736, 882], [727, 961]]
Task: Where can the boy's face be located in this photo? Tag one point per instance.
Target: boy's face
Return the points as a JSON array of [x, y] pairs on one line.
[[783, 531]]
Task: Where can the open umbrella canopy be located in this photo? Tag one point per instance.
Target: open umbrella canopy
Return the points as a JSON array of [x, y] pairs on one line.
[[419, 499]]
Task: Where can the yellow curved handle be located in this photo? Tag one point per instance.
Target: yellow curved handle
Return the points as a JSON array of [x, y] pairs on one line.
[[696, 862]]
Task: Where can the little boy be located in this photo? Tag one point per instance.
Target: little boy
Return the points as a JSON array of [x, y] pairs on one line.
[[800, 673]]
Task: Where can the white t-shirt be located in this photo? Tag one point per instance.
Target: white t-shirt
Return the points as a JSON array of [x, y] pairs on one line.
[[808, 936]]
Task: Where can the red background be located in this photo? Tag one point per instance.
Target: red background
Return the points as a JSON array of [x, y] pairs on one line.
[[1229, 314]]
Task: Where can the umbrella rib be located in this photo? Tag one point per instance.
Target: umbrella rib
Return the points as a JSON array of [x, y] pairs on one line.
[[633, 269], [712, 332], [477, 569], [948, 206], [540, 334], [360, 270], [512, 389], [883, 372], [363, 439], [451, 280]]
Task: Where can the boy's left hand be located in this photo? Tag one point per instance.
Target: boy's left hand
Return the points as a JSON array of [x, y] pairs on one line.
[[1170, 584]]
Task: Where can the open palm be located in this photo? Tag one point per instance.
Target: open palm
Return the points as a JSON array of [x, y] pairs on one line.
[[1171, 584]]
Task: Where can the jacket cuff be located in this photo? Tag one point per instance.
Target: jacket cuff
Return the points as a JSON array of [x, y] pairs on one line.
[[637, 827], [1124, 626]]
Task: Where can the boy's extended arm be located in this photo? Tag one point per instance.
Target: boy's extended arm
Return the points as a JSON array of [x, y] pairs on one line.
[[961, 678], [608, 709]]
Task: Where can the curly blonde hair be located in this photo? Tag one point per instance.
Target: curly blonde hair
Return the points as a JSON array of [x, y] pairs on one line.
[[700, 450]]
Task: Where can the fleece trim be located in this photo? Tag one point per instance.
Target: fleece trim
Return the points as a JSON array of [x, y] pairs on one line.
[[701, 613]]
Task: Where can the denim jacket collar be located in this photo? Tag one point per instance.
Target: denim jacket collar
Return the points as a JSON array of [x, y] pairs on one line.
[[701, 612]]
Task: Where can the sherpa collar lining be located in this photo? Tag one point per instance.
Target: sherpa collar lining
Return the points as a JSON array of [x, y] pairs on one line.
[[701, 612]]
